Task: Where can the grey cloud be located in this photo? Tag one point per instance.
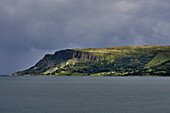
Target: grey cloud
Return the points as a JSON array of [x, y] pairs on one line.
[[31, 28]]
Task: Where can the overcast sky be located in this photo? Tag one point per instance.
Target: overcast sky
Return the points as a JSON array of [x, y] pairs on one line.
[[29, 29]]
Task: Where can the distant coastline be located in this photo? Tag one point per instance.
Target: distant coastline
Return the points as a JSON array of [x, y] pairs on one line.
[[145, 60], [93, 75]]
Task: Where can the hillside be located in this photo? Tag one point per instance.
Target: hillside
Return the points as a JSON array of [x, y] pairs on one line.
[[113, 61]]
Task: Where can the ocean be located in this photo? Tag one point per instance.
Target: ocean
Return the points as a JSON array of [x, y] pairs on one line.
[[83, 94]]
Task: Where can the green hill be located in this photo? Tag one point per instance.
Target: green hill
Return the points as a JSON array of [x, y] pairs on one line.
[[113, 61]]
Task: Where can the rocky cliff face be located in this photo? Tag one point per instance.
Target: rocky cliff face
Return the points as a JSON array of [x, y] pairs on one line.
[[64, 55], [127, 60], [58, 60]]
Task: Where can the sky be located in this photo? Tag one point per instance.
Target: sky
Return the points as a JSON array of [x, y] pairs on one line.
[[29, 29]]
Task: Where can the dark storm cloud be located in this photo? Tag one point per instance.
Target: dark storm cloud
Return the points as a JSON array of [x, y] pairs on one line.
[[31, 28]]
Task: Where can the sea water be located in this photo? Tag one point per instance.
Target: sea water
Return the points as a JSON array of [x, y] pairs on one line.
[[76, 94]]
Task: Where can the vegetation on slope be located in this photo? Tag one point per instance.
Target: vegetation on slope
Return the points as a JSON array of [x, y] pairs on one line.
[[114, 61]]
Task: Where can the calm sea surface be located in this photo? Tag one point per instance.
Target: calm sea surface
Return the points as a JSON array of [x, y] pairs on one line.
[[57, 94]]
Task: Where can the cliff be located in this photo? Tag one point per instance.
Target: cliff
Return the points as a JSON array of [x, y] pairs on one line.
[[122, 61]]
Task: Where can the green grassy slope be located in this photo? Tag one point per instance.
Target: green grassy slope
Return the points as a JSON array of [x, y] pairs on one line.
[[113, 61]]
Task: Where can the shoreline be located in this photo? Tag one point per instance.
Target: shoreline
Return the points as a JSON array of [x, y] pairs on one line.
[[95, 76]]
